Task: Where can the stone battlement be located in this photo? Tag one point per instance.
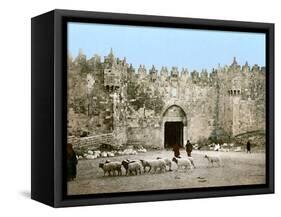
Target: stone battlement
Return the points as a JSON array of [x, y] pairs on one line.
[[111, 96], [113, 68]]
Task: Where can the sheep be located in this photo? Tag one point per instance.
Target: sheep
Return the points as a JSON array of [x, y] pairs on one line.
[[213, 159], [145, 164], [154, 164], [109, 167], [191, 161], [131, 166], [125, 164], [168, 162], [116, 167], [134, 167], [183, 162]]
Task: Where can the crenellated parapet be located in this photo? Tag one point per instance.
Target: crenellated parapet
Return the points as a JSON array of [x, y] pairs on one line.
[[184, 74], [153, 73], [142, 72], [164, 73], [174, 74], [246, 68], [204, 76], [81, 58], [195, 76], [233, 79]]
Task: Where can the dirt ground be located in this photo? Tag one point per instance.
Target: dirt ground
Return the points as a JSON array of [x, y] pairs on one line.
[[238, 168]]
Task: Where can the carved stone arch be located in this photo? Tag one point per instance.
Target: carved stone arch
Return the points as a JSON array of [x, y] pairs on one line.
[[174, 112], [174, 126]]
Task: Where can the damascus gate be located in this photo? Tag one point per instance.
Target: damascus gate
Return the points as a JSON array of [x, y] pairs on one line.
[[112, 103], [155, 108]]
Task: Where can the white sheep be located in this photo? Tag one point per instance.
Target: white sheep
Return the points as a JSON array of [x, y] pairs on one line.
[[125, 164], [145, 164], [111, 167], [213, 159], [154, 165], [183, 163], [191, 161], [168, 163]]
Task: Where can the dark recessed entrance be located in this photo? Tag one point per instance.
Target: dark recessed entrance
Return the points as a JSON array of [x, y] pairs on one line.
[[173, 134]]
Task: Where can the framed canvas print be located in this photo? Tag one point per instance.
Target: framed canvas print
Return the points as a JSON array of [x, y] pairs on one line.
[[134, 108]]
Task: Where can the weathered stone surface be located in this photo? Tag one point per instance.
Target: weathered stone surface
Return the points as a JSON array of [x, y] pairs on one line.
[[110, 96]]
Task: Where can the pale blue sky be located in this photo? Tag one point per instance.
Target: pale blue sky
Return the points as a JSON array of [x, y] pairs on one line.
[[194, 49]]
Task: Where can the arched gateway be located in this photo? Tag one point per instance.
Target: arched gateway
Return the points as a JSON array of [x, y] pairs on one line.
[[174, 126]]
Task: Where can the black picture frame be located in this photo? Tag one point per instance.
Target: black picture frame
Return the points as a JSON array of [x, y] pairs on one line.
[[49, 55]]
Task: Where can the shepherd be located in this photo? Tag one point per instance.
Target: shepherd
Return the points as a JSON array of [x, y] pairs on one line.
[[188, 148], [176, 149], [248, 147], [71, 162]]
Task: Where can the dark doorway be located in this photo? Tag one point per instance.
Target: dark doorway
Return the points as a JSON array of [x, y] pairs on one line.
[[173, 134]]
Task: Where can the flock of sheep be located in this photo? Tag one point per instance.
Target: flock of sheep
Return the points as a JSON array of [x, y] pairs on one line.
[[137, 167]]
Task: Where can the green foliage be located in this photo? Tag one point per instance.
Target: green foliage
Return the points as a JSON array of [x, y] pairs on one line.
[[219, 136]]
